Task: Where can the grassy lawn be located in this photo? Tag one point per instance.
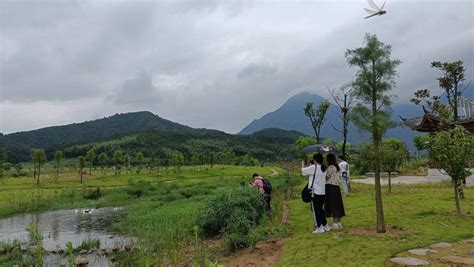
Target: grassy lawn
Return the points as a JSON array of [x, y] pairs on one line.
[[416, 216], [161, 209]]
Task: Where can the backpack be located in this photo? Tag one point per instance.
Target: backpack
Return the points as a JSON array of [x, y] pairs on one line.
[[267, 186]]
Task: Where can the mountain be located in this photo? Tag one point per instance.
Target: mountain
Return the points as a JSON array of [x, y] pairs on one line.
[[146, 132], [290, 116]]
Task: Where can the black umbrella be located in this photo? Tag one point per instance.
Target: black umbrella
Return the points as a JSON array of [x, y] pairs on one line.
[[320, 149]]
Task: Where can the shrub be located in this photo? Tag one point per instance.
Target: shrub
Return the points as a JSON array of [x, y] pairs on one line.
[[93, 193], [232, 214], [138, 188]]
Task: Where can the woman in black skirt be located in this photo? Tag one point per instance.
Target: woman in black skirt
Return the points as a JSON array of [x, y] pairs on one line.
[[333, 207]]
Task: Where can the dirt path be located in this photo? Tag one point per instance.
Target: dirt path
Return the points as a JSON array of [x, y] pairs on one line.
[[264, 254], [274, 172]]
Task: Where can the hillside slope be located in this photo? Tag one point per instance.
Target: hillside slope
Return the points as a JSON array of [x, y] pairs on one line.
[[290, 116]]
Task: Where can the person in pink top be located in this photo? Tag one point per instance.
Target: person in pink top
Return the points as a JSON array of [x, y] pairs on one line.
[[258, 182]]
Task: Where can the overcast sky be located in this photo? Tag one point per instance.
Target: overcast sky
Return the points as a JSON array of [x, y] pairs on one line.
[[214, 64]]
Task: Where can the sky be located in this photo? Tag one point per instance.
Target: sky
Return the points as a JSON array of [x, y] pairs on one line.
[[210, 63]]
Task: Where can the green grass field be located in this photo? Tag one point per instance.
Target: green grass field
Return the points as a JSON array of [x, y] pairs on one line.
[[162, 213], [162, 209], [416, 216]]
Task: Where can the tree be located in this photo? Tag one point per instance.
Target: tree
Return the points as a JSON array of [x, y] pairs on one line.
[[81, 163], [177, 160], [58, 156], [139, 159], [451, 150], [421, 143], [103, 161], [303, 142], [39, 157], [229, 157], [452, 84], [126, 162], [375, 77], [18, 167], [451, 81], [394, 153], [90, 157], [118, 157], [195, 160], [3, 160], [343, 98], [317, 116]]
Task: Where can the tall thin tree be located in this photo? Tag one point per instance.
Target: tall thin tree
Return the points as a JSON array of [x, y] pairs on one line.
[[317, 116], [374, 79], [81, 163], [90, 157], [39, 157], [343, 98], [58, 156]]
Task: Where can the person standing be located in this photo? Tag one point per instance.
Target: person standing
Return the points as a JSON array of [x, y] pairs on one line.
[[334, 206], [344, 170], [316, 174]]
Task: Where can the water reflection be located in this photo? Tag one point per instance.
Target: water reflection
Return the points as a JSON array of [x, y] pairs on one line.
[[61, 226]]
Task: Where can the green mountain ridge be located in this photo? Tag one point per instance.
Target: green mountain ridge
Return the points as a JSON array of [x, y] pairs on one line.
[[148, 133]]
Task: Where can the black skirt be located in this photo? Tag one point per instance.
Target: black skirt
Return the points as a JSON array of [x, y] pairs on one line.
[[334, 206]]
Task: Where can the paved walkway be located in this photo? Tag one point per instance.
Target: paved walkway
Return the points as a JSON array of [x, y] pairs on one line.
[[409, 180]]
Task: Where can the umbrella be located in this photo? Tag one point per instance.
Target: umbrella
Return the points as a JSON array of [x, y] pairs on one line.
[[320, 149]]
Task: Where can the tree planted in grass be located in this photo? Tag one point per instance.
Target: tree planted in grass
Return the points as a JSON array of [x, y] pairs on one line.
[[451, 150], [3, 160], [139, 161], [90, 157], [343, 98], [317, 116], [58, 156], [195, 160], [81, 163], [126, 162], [103, 161], [39, 157], [375, 77], [394, 153], [421, 143], [452, 84], [229, 157], [118, 158]]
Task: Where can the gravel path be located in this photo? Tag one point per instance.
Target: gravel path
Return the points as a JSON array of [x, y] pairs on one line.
[[408, 180]]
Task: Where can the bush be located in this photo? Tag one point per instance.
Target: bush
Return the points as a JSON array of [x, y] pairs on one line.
[[93, 194], [138, 188], [232, 214]]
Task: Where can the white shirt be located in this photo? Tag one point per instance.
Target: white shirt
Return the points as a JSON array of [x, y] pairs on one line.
[[344, 167], [319, 185]]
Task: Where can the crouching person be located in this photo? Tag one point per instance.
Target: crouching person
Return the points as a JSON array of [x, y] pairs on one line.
[[265, 187]]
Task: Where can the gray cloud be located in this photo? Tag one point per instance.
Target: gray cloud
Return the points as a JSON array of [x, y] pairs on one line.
[[215, 64]]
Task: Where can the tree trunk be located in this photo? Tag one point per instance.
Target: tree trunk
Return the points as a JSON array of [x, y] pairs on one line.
[[389, 182], [456, 197], [377, 162], [344, 126], [81, 175], [39, 171], [90, 169]]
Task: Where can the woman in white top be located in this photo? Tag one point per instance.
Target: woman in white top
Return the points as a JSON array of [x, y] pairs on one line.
[[317, 172]]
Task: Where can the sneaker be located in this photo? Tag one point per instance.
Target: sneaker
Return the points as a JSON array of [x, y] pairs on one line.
[[337, 226], [319, 230], [326, 228]]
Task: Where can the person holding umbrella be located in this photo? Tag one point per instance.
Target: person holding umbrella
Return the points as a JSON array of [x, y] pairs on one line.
[[316, 174]]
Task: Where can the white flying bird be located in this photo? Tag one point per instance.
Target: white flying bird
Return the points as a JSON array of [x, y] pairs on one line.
[[375, 11]]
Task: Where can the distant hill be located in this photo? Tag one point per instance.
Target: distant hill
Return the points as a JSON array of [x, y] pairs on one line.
[[145, 132], [290, 116]]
